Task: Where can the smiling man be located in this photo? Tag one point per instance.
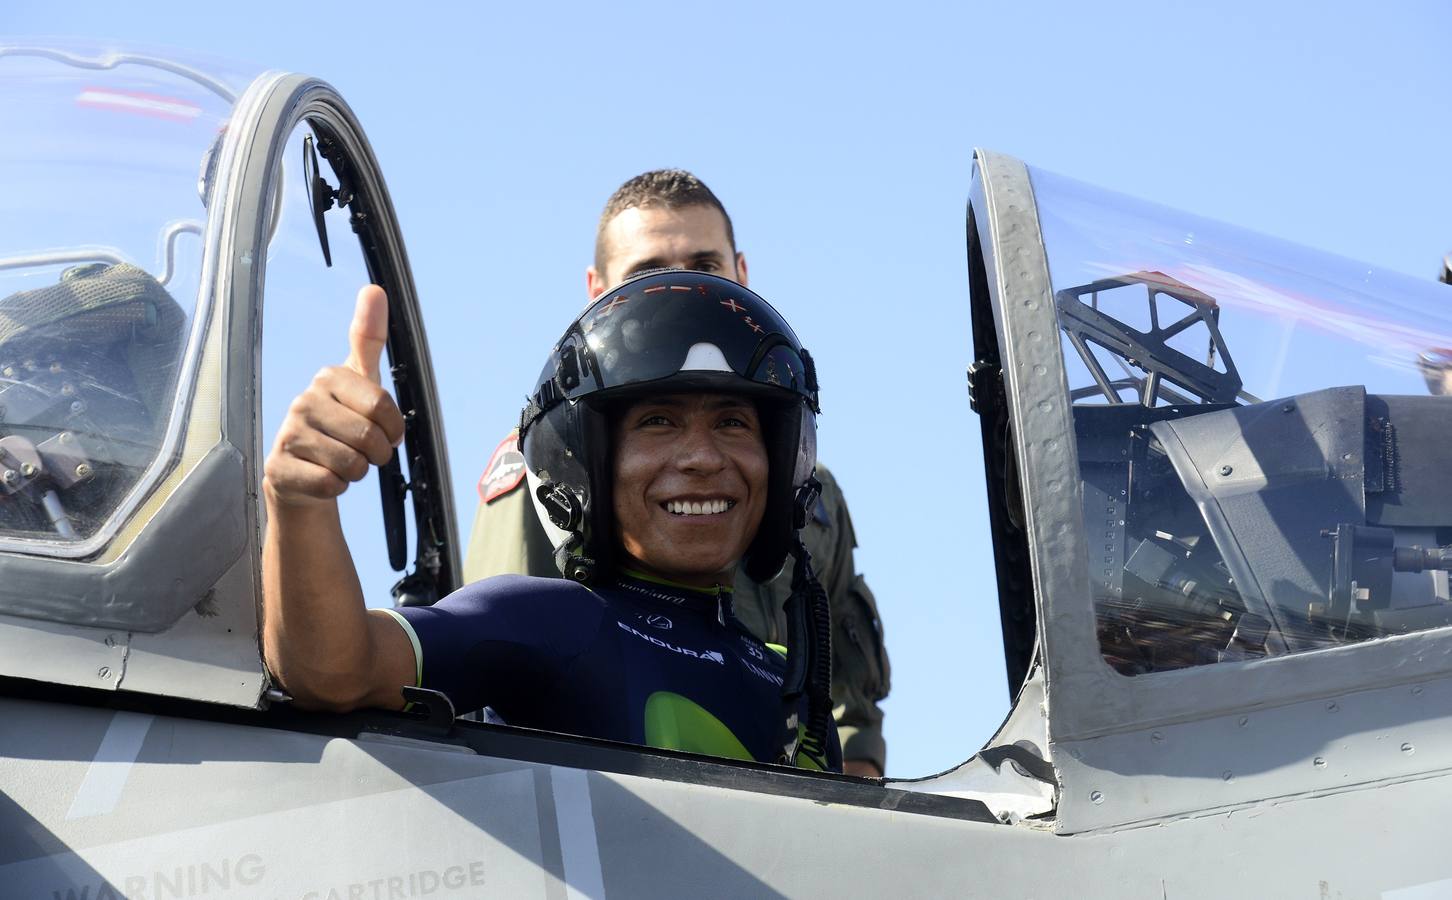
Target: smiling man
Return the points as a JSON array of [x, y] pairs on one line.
[[669, 218], [690, 485], [671, 441]]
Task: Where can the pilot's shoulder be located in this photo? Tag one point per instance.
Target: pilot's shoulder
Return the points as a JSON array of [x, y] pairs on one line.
[[504, 472], [535, 594], [521, 610]]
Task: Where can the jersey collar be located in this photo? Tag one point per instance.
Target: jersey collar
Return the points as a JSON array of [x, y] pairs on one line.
[[715, 601]]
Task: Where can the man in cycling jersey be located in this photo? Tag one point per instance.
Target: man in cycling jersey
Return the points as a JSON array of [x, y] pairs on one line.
[[670, 441]]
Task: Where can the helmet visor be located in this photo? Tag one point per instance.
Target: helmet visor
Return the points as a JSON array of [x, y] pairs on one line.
[[680, 324]]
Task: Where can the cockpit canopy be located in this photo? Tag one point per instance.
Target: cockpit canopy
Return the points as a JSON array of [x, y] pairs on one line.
[[105, 173], [1262, 433], [154, 208]]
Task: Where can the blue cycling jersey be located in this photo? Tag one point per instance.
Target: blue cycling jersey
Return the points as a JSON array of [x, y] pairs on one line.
[[634, 660]]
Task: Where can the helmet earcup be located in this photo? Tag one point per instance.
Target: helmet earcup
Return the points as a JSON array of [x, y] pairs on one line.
[[568, 449], [600, 540], [791, 456]]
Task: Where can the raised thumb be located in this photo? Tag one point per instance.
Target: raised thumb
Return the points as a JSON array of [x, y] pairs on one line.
[[368, 334]]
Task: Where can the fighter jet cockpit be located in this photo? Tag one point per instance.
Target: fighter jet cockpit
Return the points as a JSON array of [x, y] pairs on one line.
[[153, 205], [1263, 444], [105, 174]]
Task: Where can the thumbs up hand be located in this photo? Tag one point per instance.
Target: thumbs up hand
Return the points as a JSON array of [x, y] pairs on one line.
[[368, 334], [344, 420]]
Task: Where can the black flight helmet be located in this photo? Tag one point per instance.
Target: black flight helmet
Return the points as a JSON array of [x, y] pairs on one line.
[[667, 330]]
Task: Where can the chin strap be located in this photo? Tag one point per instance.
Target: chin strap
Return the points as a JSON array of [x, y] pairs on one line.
[[809, 653]]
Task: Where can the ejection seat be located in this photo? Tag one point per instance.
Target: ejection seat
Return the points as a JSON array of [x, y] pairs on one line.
[[87, 370]]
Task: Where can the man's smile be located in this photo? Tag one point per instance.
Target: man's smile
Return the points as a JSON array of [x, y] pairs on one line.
[[706, 507]]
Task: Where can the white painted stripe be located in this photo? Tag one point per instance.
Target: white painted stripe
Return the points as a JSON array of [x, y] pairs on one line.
[[578, 847], [107, 774], [142, 104]]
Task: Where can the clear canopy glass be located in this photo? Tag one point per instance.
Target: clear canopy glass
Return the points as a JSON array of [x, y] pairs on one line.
[[1263, 434], [105, 173]]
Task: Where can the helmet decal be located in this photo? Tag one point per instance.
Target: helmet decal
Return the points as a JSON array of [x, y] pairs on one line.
[[705, 358]]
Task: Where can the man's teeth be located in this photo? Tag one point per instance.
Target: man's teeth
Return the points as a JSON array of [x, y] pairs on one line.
[[698, 507]]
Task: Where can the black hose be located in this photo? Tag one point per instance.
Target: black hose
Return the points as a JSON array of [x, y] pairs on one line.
[[809, 662], [794, 683]]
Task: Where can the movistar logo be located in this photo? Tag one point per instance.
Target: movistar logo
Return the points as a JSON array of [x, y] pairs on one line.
[[712, 655]]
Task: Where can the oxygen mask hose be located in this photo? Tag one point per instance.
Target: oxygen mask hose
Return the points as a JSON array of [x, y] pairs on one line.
[[809, 662], [795, 681]]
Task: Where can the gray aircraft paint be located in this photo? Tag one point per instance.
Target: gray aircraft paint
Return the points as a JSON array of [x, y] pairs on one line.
[[287, 814]]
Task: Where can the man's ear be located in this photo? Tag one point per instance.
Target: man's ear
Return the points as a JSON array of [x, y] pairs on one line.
[[594, 282], [741, 269]]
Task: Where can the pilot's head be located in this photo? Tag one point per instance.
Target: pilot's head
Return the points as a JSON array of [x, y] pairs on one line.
[[665, 218], [671, 432]]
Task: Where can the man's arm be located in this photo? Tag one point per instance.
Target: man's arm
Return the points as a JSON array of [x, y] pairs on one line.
[[319, 640]]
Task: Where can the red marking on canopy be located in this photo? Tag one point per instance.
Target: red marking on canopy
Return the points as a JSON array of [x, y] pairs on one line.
[[138, 103]]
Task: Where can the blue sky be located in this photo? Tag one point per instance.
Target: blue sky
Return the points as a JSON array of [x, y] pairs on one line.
[[840, 138]]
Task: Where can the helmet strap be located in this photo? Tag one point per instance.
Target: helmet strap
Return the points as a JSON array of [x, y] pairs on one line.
[[571, 564], [802, 505]]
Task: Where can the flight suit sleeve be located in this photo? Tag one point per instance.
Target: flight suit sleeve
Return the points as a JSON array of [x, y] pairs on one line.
[[861, 674], [507, 538]]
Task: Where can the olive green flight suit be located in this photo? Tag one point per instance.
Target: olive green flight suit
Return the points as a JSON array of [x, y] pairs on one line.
[[507, 538]]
